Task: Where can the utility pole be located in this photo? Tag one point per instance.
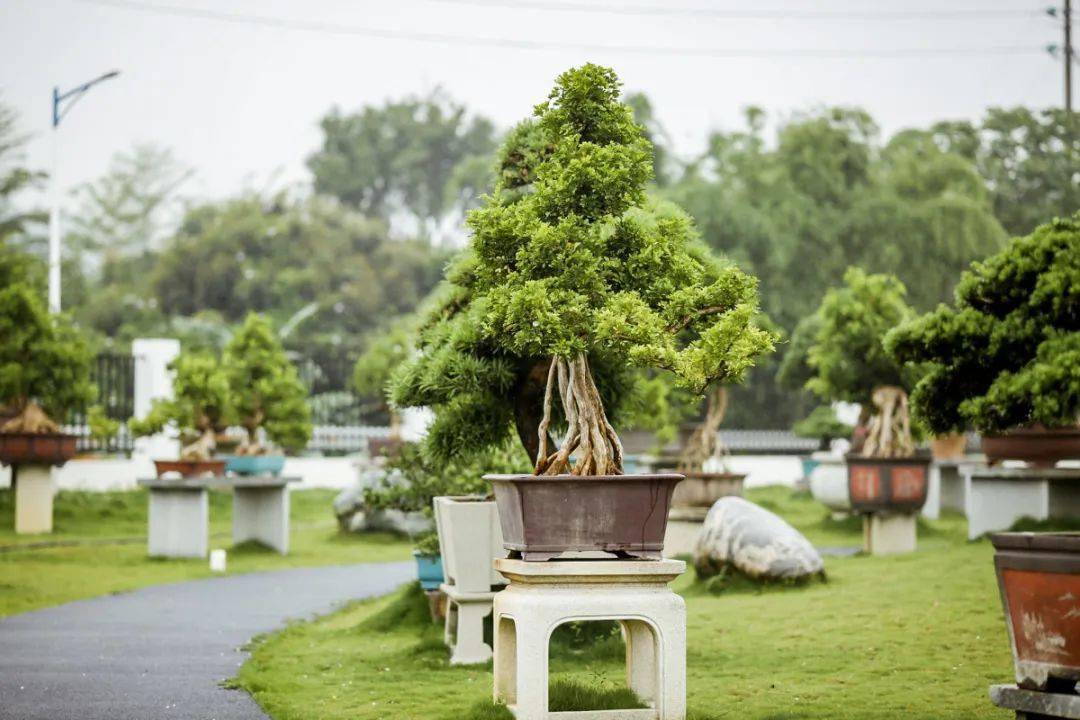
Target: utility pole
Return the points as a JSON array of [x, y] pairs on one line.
[[1068, 58], [58, 112]]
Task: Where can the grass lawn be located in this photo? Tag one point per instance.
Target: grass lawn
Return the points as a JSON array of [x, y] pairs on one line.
[[917, 636], [99, 546]]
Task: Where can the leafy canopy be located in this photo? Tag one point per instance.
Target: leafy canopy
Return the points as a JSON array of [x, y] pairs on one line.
[[201, 402], [848, 358], [44, 360], [1008, 353], [265, 387]]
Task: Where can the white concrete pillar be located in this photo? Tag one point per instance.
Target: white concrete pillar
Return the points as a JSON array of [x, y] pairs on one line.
[[262, 514], [33, 499], [153, 380], [889, 534]]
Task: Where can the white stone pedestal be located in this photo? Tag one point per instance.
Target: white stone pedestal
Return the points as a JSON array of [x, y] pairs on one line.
[[33, 499], [998, 497], [464, 628], [261, 511], [683, 529], [179, 519], [544, 595], [889, 534]]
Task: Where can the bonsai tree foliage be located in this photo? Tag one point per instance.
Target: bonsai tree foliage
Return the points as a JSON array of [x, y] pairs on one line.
[[265, 388], [373, 370], [850, 363], [822, 424], [44, 364], [1008, 354], [201, 405], [572, 287]]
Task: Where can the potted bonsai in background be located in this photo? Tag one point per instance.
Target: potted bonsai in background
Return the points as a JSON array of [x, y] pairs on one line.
[[1005, 359], [823, 425], [44, 373], [574, 283], [267, 398], [885, 474], [371, 377], [200, 409], [704, 460]]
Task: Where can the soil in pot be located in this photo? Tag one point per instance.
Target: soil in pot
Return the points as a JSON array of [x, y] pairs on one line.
[[544, 516]]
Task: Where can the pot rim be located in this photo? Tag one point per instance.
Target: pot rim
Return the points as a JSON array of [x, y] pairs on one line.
[[1033, 431], [566, 477], [702, 475], [919, 458], [1060, 541]]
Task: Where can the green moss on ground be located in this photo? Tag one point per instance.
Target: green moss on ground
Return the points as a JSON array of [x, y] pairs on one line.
[[99, 546], [916, 636]]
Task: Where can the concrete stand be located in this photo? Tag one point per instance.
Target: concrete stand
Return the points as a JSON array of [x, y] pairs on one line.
[[261, 511], [1035, 705], [179, 520], [33, 499], [683, 529], [947, 486], [464, 628], [998, 497], [544, 595], [889, 533]]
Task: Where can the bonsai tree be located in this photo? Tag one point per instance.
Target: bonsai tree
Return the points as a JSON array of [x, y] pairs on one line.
[[850, 363], [1008, 354], [704, 443], [44, 364], [373, 370], [822, 424], [571, 287], [265, 388], [201, 405]]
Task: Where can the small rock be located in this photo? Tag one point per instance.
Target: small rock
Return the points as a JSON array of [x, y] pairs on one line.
[[754, 541], [354, 516]]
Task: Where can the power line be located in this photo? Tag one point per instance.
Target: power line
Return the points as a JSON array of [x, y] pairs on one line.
[[525, 44], [691, 11]]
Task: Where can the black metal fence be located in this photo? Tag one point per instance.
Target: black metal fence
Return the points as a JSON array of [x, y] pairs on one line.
[[332, 399], [114, 376]]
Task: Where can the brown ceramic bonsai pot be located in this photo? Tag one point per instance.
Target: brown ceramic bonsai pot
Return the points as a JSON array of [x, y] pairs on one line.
[[887, 484], [702, 489], [1040, 446], [36, 448], [544, 516], [948, 447], [1039, 579], [190, 468]]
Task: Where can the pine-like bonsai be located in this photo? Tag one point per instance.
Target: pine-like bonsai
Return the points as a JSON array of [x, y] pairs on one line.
[[374, 368], [1008, 354], [201, 405], [574, 282], [265, 388], [850, 364], [44, 364]]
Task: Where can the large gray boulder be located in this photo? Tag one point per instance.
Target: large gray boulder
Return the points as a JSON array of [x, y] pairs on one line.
[[759, 544], [354, 516]]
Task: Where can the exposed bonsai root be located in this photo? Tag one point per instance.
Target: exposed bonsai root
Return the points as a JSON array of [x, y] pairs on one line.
[[589, 435], [889, 434], [31, 419], [705, 443], [201, 449]]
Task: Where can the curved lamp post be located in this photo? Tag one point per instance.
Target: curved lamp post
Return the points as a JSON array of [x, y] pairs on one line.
[[61, 104]]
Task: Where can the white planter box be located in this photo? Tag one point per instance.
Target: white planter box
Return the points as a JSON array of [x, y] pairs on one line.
[[829, 483], [470, 539]]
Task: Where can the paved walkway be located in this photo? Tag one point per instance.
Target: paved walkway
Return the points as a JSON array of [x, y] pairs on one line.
[[161, 651]]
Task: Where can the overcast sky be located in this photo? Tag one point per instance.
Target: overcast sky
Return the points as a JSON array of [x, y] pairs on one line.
[[239, 99]]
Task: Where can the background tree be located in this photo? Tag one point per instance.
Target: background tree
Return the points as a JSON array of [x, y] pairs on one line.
[[374, 368], [1008, 353], [404, 157], [201, 405], [44, 363], [266, 389]]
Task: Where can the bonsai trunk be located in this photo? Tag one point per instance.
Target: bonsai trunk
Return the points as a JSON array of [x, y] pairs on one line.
[[589, 435], [202, 448], [251, 445], [528, 407], [705, 443], [889, 434], [31, 418]]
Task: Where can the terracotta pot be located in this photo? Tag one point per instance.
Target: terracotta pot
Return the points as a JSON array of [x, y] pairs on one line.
[[948, 447], [702, 489], [887, 484], [190, 468], [545, 516], [385, 447], [1042, 447], [36, 448], [1039, 579]]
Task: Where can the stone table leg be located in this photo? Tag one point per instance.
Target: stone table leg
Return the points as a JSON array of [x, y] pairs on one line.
[[997, 504], [33, 499], [889, 534], [262, 514], [465, 632], [179, 522]]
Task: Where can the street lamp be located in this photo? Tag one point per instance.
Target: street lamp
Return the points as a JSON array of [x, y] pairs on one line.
[[61, 104]]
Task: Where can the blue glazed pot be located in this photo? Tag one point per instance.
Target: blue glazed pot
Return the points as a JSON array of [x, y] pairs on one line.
[[808, 465], [429, 570], [255, 464]]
